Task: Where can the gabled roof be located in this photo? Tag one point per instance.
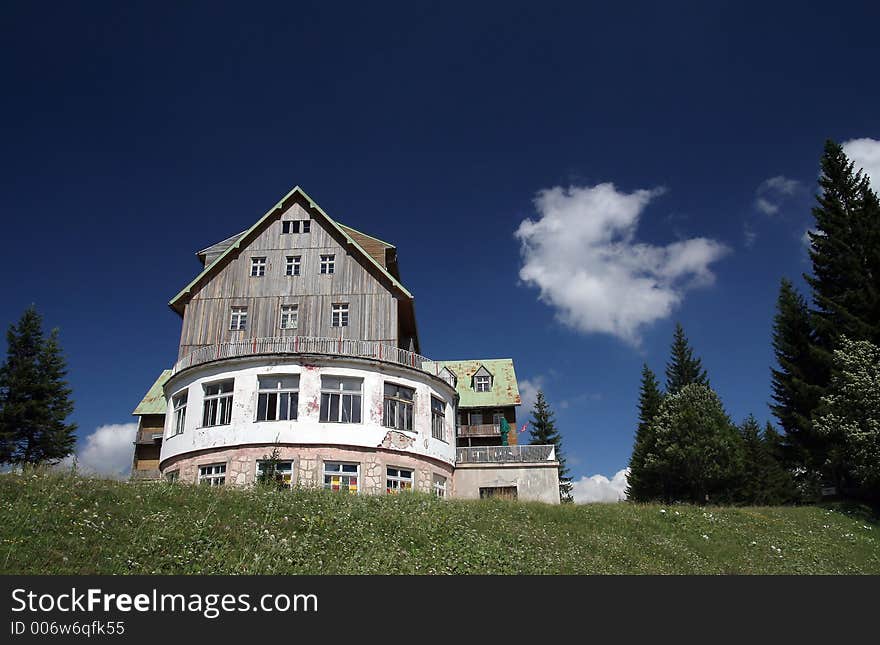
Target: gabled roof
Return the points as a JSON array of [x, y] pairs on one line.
[[154, 400], [504, 387], [178, 301]]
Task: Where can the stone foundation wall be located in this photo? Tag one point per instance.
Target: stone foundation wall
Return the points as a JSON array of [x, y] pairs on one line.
[[308, 465]]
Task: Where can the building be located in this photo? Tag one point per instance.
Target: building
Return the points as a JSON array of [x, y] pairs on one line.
[[298, 334]]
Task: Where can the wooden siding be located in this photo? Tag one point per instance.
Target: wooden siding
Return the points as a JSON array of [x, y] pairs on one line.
[[372, 307]]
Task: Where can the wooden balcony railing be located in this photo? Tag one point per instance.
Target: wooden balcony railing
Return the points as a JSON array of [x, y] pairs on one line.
[[505, 454], [311, 345], [480, 430]]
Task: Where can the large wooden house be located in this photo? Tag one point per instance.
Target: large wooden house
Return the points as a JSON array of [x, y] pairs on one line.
[[298, 335]]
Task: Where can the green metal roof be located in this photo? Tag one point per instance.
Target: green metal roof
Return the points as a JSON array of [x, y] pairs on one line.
[[175, 301], [154, 400], [504, 388]]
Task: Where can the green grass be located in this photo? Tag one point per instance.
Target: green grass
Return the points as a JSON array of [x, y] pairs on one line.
[[63, 524]]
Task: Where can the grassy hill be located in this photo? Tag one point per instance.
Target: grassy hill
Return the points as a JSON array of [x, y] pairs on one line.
[[54, 523]]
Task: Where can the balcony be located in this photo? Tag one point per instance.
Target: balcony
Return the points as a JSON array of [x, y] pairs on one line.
[[311, 345], [505, 454], [480, 430]]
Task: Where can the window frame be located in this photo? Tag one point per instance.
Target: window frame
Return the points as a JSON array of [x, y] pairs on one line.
[[179, 412], [343, 310], [479, 380], [287, 485], [328, 263], [258, 266], [438, 414], [221, 395], [394, 483], [399, 405], [294, 309], [342, 473], [292, 398], [341, 393], [293, 265], [210, 479], [238, 317], [438, 485], [172, 476]]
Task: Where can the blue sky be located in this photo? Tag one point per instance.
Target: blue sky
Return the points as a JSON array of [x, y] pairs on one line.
[[135, 135]]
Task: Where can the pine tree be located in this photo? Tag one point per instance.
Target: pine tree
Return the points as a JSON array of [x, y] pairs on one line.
[[543, 432], [683, 367], [697, 452], [845, 254], [798, 383], [641, 486], [765, 481], [34, 397]]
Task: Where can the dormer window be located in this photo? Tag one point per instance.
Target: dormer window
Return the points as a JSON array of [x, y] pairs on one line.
[[258, 267], [482, 381]]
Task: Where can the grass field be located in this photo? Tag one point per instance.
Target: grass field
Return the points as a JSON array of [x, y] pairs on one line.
[[64, 524]]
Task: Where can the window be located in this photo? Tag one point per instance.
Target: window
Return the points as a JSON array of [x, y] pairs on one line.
[[212, 474], [278, 397], [398, 479], [482, 383], [172, 476], [339, 317], [258, 267], [438, 419], [218, 404], [340, 399], [293, 264], [289, 316], [283, 472], [328, 263], [496, 418], [438, 485], [293, 226], [341, 477], [179, 403], [398, 409], [502, 492], [475, 418], [238, 320]]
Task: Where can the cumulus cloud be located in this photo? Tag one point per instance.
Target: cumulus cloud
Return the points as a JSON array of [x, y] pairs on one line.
[[865, 153], [772, 192], [528, 392], [107, 451], [582, 255], [599, 488]]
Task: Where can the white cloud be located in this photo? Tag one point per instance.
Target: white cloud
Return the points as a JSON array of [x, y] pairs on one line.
[[528, 392], [107, 452], [582, 255], [865, 153], [772, 192], [599, 488]]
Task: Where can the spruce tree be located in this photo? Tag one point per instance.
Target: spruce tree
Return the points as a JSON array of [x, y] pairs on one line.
[[683, 367], [641, 486], [798, 383], [34, 397], [845, 254], [543, 432], [765, 481]]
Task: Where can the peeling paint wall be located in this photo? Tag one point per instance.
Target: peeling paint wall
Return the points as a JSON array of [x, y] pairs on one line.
[[534, 482], [307, 429]]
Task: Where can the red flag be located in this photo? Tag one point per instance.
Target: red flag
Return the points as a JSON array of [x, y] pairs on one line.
[[523, 429]]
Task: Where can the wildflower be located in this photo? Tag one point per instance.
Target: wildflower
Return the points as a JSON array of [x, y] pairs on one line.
[[663, 510], [705, 537]]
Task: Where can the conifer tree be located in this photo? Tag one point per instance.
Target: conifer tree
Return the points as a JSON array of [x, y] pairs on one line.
[[543, 432], [798, 382], [683, 367], [34, 397], [641, 486], [764, 480]]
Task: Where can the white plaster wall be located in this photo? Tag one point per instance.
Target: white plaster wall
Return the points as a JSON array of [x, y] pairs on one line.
[[307, 429], [534, 482]]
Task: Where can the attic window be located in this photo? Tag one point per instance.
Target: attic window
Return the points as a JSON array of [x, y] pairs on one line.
[[258, 267], [482, 383], [328, 264], [295, 226]]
